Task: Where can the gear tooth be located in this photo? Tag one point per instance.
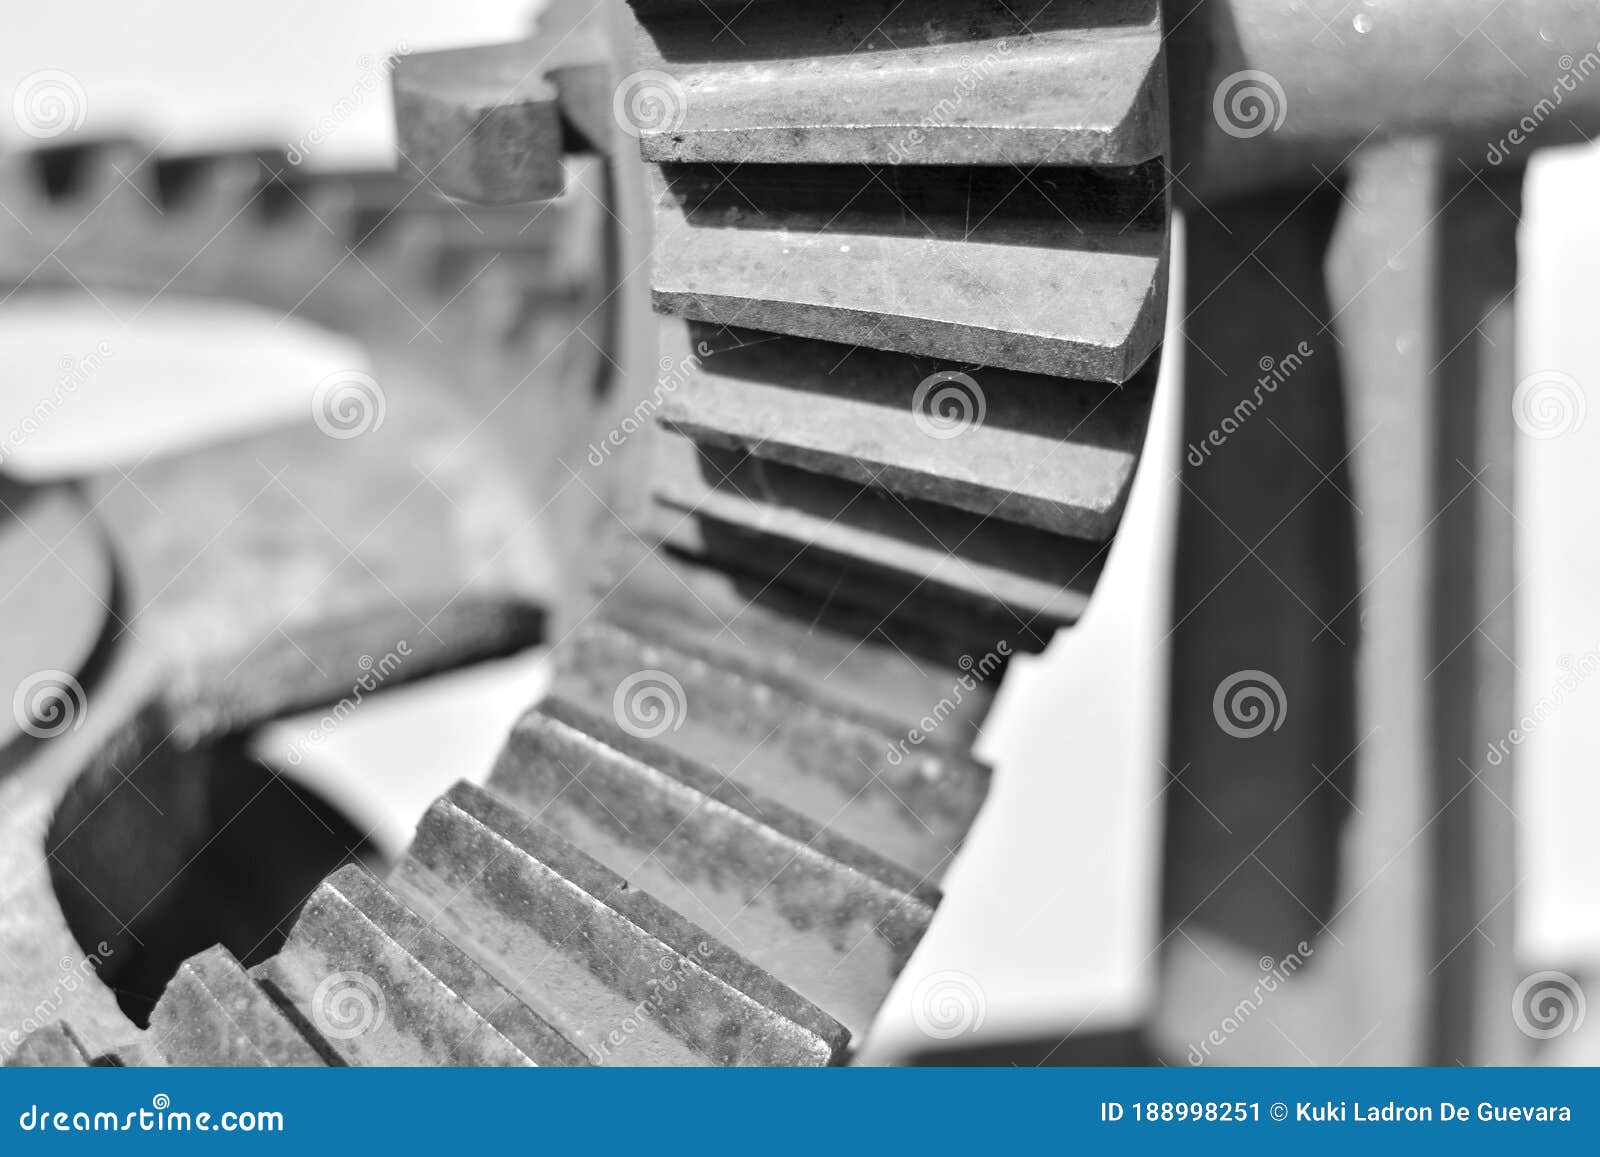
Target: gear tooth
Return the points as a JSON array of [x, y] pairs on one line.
[[113, 174], [869, 246], [840, 766], [863, 660], [1049, 453], [1062, 84], [213, 1013], [588, 951], [50, 1046], [764, 836], [217, 186], [482, 123], [922, 260], [87, 214], [369, 979], [827, 918], [908, 546]]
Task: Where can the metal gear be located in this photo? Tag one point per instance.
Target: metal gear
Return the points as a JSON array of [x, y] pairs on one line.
[[919, 338]]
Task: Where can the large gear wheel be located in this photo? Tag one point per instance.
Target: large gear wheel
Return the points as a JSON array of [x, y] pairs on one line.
[[913, 267]]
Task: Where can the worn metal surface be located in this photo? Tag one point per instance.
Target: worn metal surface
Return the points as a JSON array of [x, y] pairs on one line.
[[620, 974], [491, 123], [373, 983], [1319, 78], [263, 579], [789, 861], [250, 579], [838, 654], [922, 260], [834, 763], [832, 920], [1057, 455], [213, 1013], [200, 654], [947, 83], [1375, 838], [937, 550], [49, 1046], [900, 183], [484, 123], [584, 90]]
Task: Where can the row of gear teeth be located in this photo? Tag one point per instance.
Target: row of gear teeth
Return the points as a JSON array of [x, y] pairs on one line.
[[916, 263]]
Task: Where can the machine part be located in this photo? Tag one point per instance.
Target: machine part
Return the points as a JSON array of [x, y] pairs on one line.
[[829, 918], [483, 123], [245, 581], [1281, 96], [951, 83], [564, 932], [370, 980], [213, 1013], [786, 888], [921, 260], [1295, 113], [839, 766], [1403, 911], [958, 255], [1050, 454], [52, 1046]]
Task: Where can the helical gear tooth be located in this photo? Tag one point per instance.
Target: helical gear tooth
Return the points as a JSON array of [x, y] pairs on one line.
[[213, 1013], [836, 763], [826, 917], [899, 551], [372, 983], [1060, 84], [1048, 453], [921, 336], [589, 950], [923, 260]]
